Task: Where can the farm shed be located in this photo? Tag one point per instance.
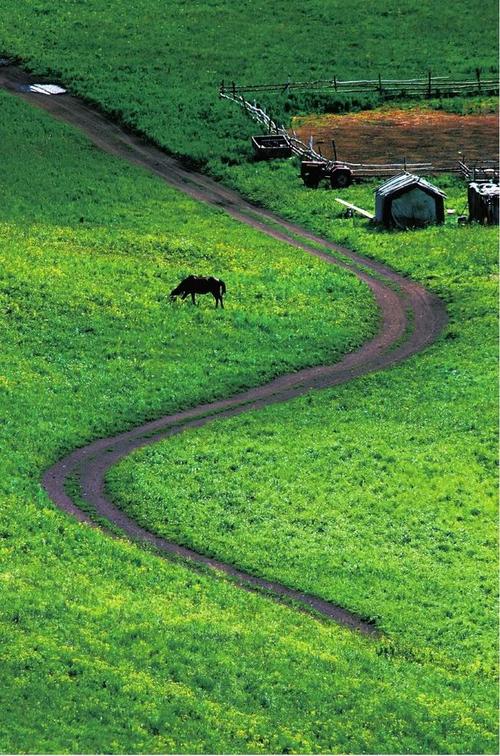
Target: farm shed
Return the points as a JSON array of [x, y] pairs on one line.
[[408, 201], [483, 202]]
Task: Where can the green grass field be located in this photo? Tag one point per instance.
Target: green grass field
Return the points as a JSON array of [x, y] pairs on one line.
[[392, 475], [89, 250], [379, 495], [106, 648], [158, 66]]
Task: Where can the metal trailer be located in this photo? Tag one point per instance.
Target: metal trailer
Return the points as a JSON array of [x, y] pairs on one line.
[[270, 146]]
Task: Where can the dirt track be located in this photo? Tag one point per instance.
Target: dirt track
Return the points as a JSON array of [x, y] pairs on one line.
[[411, 319]]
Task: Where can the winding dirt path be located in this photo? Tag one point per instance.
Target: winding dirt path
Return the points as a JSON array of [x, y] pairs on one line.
[[411, 319]]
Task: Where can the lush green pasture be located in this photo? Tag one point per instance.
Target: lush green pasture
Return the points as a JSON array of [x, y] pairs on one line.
[[104, 648], [379, 495], [90, 251], [158, 65]]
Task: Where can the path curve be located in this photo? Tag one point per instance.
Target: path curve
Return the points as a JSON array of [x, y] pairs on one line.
[[411, 319]]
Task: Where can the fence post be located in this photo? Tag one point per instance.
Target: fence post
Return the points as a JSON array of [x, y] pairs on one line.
[[429, 89], [233, 85], [222, 86], [335, 82], [478, 77], [380, 84]]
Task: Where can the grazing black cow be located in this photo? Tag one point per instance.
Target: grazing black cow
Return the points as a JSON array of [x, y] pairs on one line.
[[200, 285]]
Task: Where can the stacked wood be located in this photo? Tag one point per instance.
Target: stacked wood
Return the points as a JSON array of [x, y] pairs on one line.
[[486, 170], [483, 201]]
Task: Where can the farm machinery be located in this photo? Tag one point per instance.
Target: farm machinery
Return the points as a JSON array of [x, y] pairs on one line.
[[270, 146], [313, 171], [315, 167]]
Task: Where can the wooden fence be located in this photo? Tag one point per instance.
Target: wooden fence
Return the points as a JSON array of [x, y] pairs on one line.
[[307, 151], [486, 170], [428, 86]]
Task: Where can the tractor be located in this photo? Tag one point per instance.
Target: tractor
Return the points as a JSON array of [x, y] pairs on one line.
[[314, 171]]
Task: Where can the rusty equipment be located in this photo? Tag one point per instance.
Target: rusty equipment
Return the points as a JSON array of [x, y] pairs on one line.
[[270, 146], [314, 171]]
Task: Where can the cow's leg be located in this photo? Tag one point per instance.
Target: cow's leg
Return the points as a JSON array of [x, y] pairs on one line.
[[184, 295], [192, 298]]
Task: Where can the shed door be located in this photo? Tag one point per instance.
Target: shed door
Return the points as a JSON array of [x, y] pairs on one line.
[[413, 208]]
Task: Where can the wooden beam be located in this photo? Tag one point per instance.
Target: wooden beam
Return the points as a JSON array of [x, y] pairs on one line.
[[359, 210]]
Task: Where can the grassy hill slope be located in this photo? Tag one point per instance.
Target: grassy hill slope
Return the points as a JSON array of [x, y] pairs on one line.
[[391, 505], [158, 65], [106, 648]]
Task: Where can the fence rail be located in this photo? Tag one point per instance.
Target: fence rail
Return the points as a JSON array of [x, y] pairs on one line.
[[428, 86], [359, 170], [486, 170], [307, 151]]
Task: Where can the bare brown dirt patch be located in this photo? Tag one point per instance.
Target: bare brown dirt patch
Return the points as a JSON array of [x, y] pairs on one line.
[[417, 135]]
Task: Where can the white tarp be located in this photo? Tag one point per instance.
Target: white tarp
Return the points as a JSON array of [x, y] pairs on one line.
[[413, 208], [48, 89]]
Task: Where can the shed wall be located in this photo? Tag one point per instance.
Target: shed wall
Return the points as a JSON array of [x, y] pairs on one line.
[[413, 208]]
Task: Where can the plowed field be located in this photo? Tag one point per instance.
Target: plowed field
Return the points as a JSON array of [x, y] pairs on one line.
[[393, 135]]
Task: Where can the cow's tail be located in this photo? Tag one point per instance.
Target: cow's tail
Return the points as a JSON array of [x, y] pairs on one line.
[[222, 286]]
